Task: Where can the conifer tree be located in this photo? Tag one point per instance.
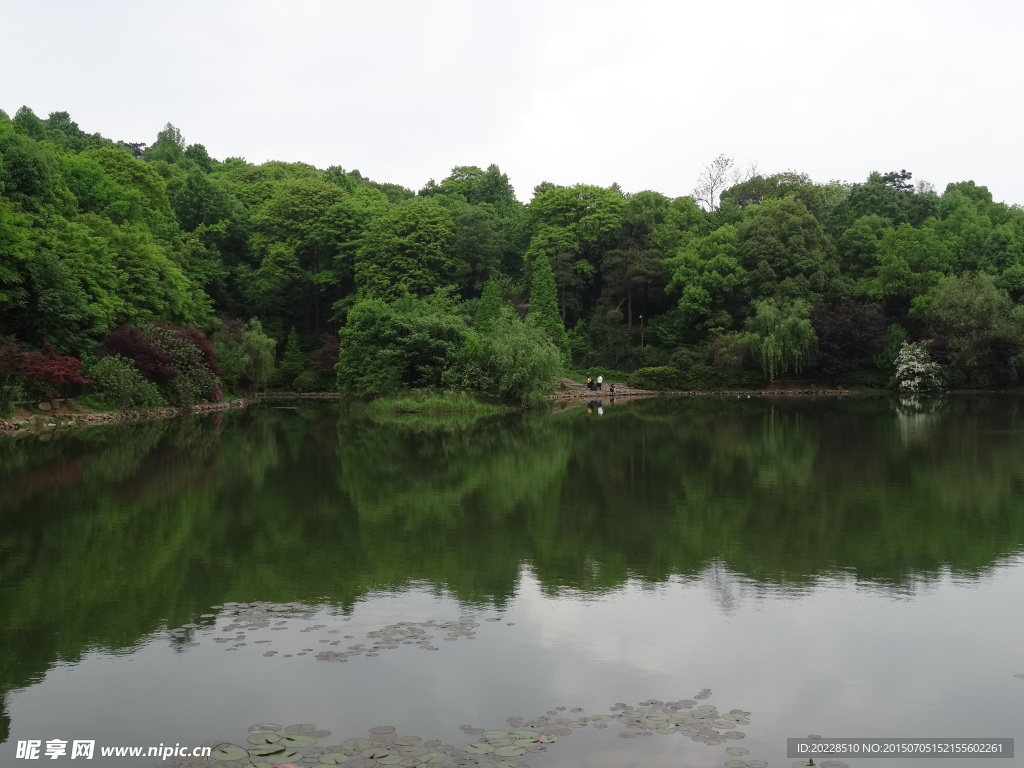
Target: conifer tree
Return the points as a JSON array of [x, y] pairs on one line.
[[293, 362], [543, 312], [489, 307]]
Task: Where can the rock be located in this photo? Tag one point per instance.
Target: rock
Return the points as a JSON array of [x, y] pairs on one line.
[[44, 406]]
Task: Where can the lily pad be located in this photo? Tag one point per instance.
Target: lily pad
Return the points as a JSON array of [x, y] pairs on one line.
[[738, 751], [264, 738], [297, 741], [303, 728], [288, 756], [266, 749], [479, 749], [260, 727], [510, 751], [359, 744], [333, 758], [736, 764], [380, 730], [229, 753]]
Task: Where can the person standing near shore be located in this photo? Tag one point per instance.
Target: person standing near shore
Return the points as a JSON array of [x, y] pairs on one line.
[[600, 381]]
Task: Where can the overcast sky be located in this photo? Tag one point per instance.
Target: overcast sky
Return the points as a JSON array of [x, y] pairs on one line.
[[640, 92]]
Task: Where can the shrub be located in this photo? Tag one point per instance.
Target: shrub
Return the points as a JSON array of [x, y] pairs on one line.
[[121, 381], [180, 361], [309, 381], [660, 377], [915, 371]]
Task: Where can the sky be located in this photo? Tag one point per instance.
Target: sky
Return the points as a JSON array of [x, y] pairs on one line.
[[642, 93]]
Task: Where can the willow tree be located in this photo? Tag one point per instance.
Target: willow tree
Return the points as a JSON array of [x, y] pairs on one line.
[[782, 337]]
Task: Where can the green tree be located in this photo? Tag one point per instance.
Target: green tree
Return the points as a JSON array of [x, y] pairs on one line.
[[909, 262], [489, 308], [710, 281], [981, 327], [543, 312], [411, 247], [786, 251], [292, 361], [782, 336]]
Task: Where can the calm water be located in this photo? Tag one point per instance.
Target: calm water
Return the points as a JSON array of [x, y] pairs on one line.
[[841, 568]]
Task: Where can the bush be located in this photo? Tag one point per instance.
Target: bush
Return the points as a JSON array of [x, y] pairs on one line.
[[864, 378], [702, 376], [660, 377], [309, 381], [125, 387], [915, 371], [180, 361]]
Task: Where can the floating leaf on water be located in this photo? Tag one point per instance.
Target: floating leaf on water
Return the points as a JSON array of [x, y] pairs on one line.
[[510, 751], [479, 749], [738, 751], [287, 757], [379, 730], [297, 741], [736, 763], [363, 762], [495, 734], [229, 753], [376, 752], [757, 764], [266, 749], [433, 757], [734, 734], [264, 738], [333, 758], [408, 741], [359, 744]]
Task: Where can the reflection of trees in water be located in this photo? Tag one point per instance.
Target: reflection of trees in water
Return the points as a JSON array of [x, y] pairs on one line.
[[916, 416], [168, 519]]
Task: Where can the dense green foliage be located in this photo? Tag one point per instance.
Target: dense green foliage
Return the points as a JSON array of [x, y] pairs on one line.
[[773, 275], [125, 387], [657, 377]]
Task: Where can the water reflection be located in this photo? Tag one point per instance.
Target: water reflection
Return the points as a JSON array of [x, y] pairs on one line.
[[111, 534]]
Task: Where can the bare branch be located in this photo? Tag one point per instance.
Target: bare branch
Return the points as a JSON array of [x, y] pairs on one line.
[[711, 182]]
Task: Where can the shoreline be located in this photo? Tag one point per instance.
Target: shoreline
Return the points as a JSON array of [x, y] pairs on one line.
[[28, 423]]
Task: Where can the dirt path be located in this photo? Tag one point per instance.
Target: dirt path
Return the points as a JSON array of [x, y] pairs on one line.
[[570, 389]]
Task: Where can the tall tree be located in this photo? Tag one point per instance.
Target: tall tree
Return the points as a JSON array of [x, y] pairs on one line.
[[543, 312]]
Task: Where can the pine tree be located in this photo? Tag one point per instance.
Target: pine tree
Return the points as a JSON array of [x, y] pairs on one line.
[[543, 312], [489, 307], [293, 362]]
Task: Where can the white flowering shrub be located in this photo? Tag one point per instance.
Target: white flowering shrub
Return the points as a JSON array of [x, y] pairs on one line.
[[915, 371]]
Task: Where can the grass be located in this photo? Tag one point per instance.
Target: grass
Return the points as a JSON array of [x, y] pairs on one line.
[[425, 401]]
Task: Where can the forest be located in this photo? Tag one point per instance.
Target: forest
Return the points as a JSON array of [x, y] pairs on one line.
[[148, 274]]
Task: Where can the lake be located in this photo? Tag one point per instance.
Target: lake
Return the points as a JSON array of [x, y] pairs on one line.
[[666, 582]]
